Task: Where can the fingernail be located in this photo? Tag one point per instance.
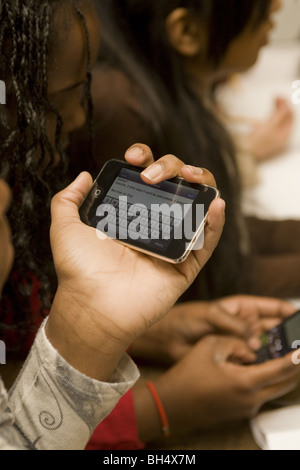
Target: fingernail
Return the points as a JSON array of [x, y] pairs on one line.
[[222, 204], [196, 171], [80, 176], [135, 152], [153, 172]]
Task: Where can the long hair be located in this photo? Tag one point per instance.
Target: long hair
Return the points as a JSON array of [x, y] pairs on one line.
[[28, 41], [134, 39]]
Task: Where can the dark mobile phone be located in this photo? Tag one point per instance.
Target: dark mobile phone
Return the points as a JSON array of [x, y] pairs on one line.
[[165, 220], [280, 340]]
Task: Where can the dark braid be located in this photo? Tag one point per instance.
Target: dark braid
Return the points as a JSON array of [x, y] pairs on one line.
[[27, 40]]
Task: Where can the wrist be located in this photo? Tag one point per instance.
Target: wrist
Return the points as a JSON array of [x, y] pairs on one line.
[[165, 425], [147, 418], [153, 420], [72, 330]]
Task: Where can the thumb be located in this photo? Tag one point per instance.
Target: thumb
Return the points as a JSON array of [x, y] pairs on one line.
[[225, 322], [235, 350], [66, 203], [5, 197]]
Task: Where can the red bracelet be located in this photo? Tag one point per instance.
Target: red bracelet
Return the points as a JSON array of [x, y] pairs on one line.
[[165, 427]]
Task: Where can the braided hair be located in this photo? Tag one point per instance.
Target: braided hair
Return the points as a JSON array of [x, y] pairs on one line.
[[27, 44]]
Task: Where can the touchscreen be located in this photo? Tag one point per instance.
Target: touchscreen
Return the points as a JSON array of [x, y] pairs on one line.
[[149, 215]]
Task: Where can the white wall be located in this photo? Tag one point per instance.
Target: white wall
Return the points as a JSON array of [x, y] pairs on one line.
[[288, 22]]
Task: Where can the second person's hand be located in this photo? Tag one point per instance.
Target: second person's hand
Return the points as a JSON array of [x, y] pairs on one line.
[[215, 383], [246, 317]]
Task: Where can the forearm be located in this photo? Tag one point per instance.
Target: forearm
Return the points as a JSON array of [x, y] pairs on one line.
[[148, 418], [73, 333]]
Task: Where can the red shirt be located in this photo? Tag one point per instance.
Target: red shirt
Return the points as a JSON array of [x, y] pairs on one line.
[[119, 430]]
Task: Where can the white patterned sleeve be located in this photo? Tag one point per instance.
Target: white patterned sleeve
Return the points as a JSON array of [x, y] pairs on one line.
[[55, 407]]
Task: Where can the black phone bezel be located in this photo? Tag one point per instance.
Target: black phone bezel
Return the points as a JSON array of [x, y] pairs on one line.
[[101, 186]]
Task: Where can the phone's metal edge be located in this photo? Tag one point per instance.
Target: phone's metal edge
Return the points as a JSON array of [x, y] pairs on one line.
[[199, 231], [97, 177], [145, 252]]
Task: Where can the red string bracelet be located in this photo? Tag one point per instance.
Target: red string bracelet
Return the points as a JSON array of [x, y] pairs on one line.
[[165, 427]]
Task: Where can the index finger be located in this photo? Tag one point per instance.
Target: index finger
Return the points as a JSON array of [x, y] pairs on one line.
[[270, 307], [169, 166], [194, 174], [257, 307], [166, 167], [225, 322], [269, 313], [139, 155]]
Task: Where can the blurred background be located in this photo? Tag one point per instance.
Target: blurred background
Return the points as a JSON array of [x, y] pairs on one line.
[[288, 23], [276, 193]]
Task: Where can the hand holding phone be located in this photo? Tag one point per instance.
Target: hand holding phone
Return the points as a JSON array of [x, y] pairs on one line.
[[115, 293], [165, 220]]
